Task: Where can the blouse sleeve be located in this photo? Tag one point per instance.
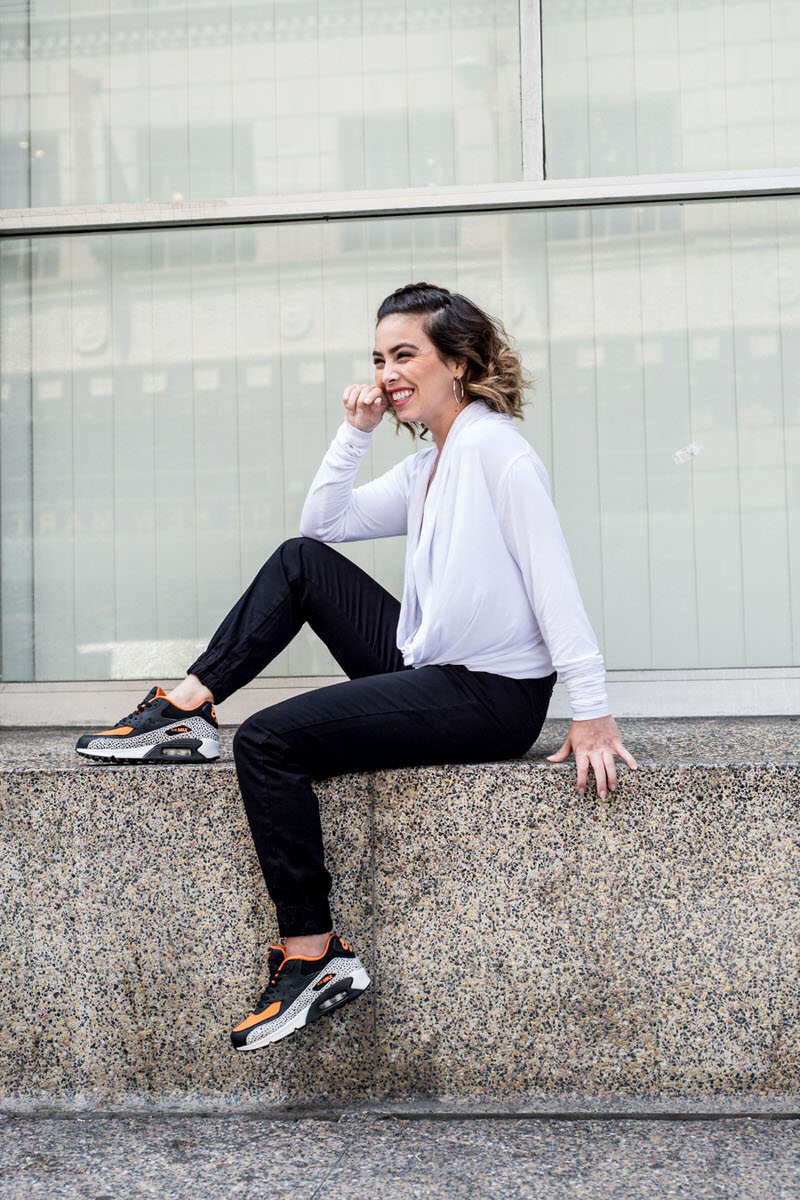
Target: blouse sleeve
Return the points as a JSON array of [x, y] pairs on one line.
[[335, 512], [532, 532]]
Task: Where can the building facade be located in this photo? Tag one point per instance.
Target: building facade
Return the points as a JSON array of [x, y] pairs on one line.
[[203, 204]]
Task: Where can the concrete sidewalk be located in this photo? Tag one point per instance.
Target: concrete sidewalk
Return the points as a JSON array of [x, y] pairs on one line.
[[370, 1156]]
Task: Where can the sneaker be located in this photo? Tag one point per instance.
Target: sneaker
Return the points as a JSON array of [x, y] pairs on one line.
[[299, 991], [157, 731]]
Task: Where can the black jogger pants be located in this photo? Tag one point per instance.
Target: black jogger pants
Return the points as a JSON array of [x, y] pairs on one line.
[[384, 715]]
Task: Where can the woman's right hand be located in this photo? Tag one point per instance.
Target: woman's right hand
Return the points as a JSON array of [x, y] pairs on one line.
[[364, 405]]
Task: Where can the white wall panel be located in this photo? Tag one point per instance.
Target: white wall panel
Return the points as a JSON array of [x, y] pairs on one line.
[[782, 289], [132, 400], [664, 353], [622, 448], [96, 528], [575, 466], [16, 464], [168, 377], [763, 460], [53, 475], [712, 386]]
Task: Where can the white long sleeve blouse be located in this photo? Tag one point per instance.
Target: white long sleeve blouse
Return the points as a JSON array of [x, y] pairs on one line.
[[489, 582]]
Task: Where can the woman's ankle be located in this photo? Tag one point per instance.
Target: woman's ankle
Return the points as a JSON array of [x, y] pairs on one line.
[[190, 693], [311, 945]]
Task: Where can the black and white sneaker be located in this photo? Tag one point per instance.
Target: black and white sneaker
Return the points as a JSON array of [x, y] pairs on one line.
[[299, 991], [157, 731]]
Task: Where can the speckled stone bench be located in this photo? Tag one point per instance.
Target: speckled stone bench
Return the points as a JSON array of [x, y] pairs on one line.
[[525, 943]]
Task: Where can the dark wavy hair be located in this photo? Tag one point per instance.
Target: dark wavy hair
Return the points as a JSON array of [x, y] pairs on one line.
[[459, 329]]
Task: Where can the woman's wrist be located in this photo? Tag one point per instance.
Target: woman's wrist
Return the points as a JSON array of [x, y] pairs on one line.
[[357, 437]]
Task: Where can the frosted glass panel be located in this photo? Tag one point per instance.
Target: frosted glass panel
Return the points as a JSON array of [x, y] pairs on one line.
[[110, 102], [167, 399], [647, 86]]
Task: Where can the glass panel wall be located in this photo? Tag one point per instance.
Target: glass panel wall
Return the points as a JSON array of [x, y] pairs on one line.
[[649, 86], [110, 102], [167, 399]]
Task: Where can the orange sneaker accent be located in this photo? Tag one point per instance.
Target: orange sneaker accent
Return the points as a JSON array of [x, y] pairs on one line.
[[254, 1018], [213, 712], [179, 729], [325, 979], [160, 694], [119, 729]]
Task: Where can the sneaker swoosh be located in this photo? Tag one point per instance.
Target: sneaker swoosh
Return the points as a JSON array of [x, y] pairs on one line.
[[298, 986]]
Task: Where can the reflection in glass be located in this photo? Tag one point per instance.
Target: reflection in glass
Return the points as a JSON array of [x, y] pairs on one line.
[[104, 102], [648, 86], [167, 399]]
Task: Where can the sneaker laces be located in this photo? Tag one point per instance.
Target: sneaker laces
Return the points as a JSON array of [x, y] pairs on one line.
[[149, 699], [276, 966]]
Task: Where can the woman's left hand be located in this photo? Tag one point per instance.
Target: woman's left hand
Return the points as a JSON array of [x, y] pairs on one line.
[[595, 742]]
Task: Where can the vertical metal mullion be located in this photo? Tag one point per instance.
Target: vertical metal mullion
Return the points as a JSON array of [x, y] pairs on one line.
[[530, 65]]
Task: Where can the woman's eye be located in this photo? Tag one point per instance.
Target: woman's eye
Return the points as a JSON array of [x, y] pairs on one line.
[[377, 364]]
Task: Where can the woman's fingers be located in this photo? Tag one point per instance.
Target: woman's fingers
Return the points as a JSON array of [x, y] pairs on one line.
[[367, 399], [599, 768], [562, 753], [601, 759], [620, 750], [600, 755], [357, 394], [611, 769]]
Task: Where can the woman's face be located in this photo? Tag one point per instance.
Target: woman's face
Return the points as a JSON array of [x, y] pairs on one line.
[[418, 385]]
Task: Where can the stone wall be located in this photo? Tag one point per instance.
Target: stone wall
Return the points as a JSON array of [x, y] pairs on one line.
[[524, 942]]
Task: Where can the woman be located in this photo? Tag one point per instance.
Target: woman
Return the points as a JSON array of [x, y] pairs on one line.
[[461, 671]]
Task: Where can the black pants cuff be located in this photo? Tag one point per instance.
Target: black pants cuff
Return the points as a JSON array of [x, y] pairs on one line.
[[210, 679], [297, 921]]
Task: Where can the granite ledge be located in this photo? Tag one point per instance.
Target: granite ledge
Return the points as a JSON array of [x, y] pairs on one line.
[[664, 741]]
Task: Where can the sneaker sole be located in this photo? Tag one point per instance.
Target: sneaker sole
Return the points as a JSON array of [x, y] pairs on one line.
[[174, 753], [341, 992]]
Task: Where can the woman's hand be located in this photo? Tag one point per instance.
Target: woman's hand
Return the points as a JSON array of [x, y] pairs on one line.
[[595, 742], [364, 405]]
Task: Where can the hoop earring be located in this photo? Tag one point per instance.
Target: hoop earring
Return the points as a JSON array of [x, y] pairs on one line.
[[461, 385]]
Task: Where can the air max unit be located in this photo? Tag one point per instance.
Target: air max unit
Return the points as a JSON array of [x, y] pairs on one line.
[[157, 731], [299, 991]]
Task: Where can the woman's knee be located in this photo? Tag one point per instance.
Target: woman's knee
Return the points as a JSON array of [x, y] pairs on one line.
[[245, 741], [256, 738], [292, 558], [299, 548]]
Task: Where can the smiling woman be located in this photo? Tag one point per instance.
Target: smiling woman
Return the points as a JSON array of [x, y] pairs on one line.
[[440, 360], [435, 678], [449, 338]]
